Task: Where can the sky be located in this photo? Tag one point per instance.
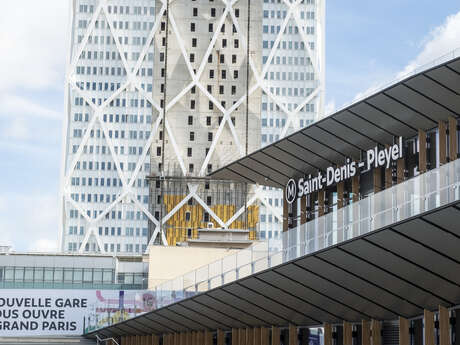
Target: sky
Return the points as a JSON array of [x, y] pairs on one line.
[[368, 43]]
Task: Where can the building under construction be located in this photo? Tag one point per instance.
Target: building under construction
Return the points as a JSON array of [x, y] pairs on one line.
[[207, 56]]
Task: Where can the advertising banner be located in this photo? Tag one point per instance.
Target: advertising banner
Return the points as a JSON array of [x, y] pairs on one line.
[[35, 312]]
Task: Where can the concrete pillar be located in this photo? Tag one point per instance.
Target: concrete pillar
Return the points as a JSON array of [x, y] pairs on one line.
[[444, 334], [421, 151], [293, 334], [328, 334], [365, 332], [303, 210], [249, 336], [347, 333], [452, 138], [404, 336], [264, 336], [442, 129], [276, 340], [376, 336], [256, 336], [428, 322], [220, 337]]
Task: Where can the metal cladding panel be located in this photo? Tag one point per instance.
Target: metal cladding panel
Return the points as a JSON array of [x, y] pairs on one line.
[[455, 65], [362, 125], [198, 317], [446, 78], [271, 306], [361, 281], [443, 100], [276, 290], [315, 161], [429, 112], [179, 319], [129, 329], [165, 323], [134, 323], [420, 255], [328, 294], [266, 178], [290, 158], [321, 150], [431, 236], [385, 279], [262, 315], [342, 280], [156, 328], [229, 310], [216, 314], [446, 219], [279, 164], [362, 141], [389, 103], [405, 270], [374, 115], [328, 139], [265, 171]]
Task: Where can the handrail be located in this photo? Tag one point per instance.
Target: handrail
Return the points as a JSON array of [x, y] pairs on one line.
[[99, 340]]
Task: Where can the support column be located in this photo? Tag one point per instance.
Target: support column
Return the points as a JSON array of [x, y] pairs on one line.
[[303, 209], [404, 336], [200, 338], [428, 322], [293, 334], [208, 338], [264, 336], [340, 204], [421, 151], [193, 338], [321, 206], [444, 334], [183, 339], [355, 199], [235, 337], [452, 138], [188, 338], [347, 333], [442, 131], [285, 212], [249, 336], [376, 336], [276, 340], [328, 334], [155, 340], [365, 332], [176, 338], [377, 180], [256, 336], [242, 336], [220, 337]]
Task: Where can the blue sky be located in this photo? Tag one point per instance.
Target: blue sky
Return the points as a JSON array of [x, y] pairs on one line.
[[367, 43]]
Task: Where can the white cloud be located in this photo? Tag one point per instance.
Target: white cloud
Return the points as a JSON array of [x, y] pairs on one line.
[[33, 39], [440, 41], [17, 129], [12, 105]]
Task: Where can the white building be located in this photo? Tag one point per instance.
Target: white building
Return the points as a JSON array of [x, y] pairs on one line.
[[294, 62], [112, 111]]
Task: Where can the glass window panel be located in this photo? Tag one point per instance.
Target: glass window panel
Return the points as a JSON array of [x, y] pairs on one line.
[[107, 276], [49, 274], [97, 276], [29, 274], [38, 274], [19, 273], [68, 275], [78, 275], [58, 274], [9, 273], [88, 275]]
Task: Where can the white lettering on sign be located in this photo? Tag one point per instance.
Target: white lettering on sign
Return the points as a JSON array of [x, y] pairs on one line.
[[375, 158]]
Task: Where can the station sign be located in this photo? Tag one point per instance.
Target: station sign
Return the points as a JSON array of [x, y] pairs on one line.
[[375, 158]]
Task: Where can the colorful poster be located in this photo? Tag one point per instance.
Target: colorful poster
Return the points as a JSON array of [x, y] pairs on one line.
[[34, 312]]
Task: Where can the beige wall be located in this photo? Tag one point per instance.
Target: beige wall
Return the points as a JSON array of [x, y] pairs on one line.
[[167, 263]]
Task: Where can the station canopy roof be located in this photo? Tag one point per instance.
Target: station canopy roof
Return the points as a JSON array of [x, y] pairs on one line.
[[417, 102]]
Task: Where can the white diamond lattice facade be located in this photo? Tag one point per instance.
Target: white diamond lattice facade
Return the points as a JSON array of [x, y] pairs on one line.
[[114, 104]]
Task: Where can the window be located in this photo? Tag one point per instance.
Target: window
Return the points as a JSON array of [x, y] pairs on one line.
[[195, 11], [209, 136], [192, 27], [209, 88], [222, 58], [193, 42], [190, 168], [224, 43], [224, 74], [213, 12], [221, 89], [158, 151], [190, 120], [211, 74], [192, 104], [187, 216], [237, 12], [208, 200], [192, 136], [235, 74], [236, 43], [210, 27], [233, 89], [208, 120], [211, 105], [189, 152], [192, 57], [233, 58]]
